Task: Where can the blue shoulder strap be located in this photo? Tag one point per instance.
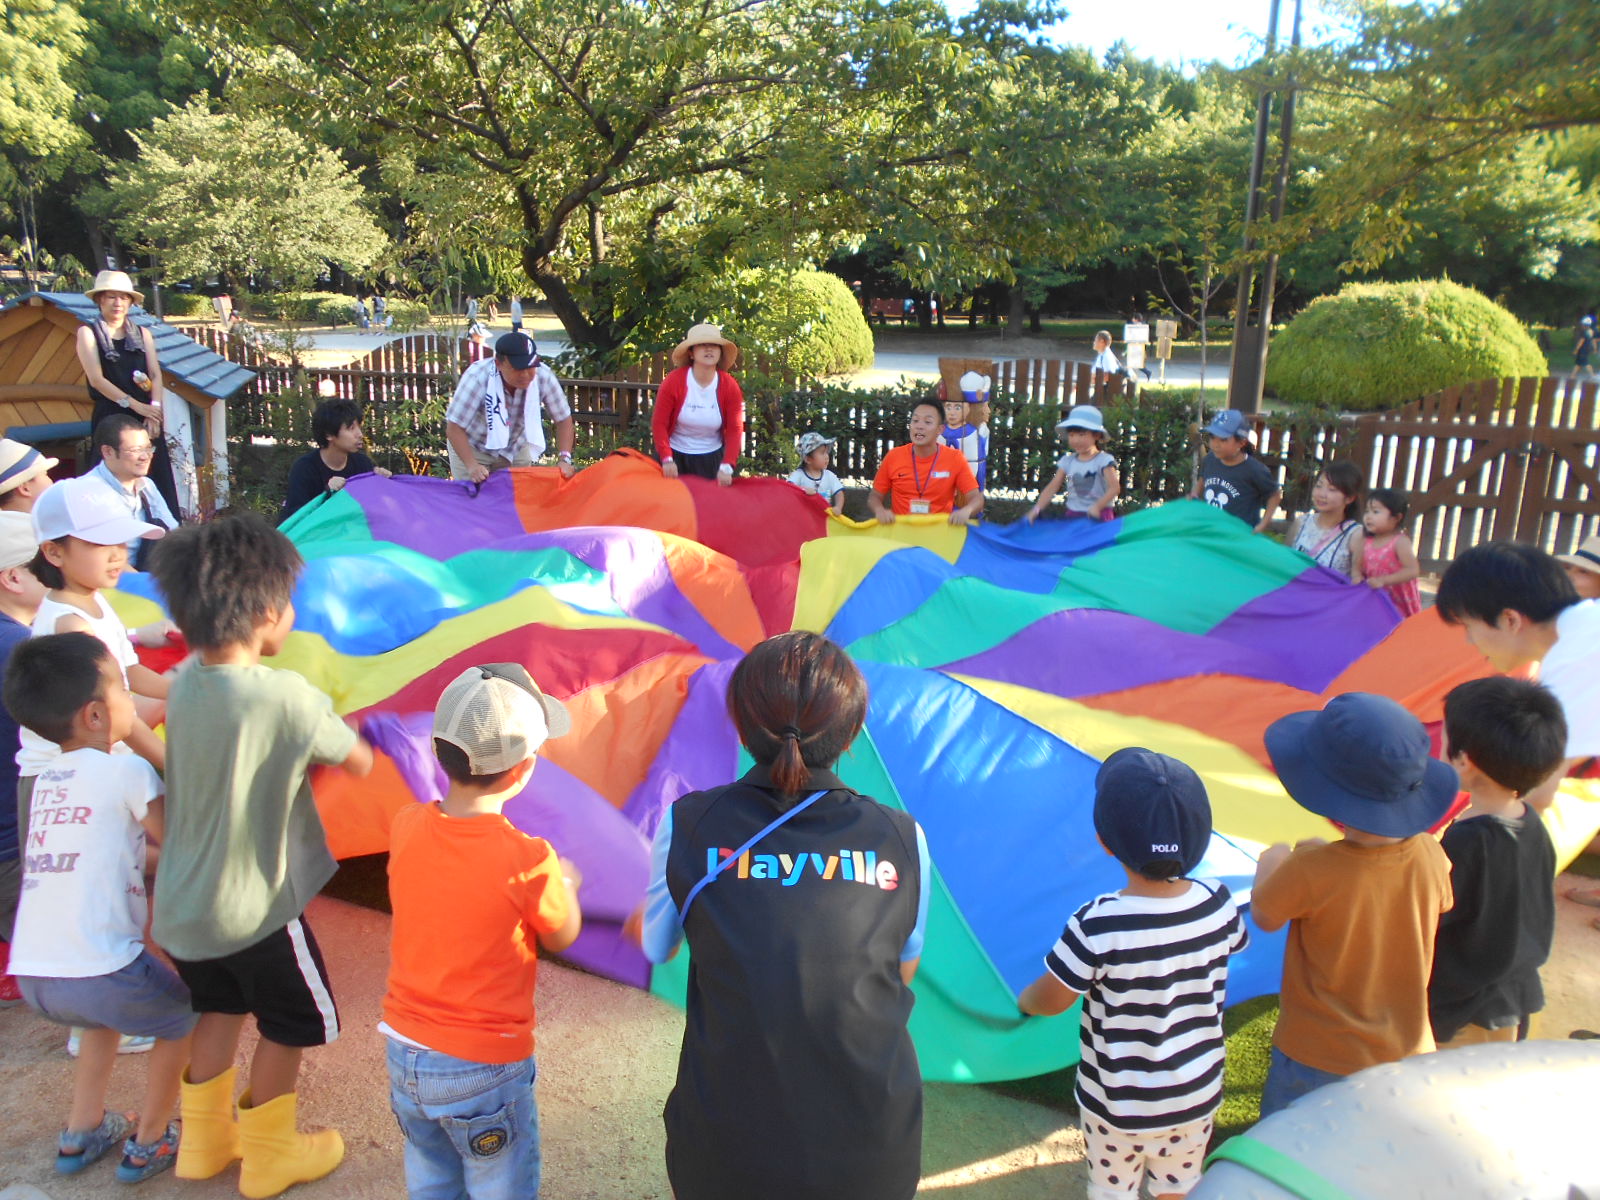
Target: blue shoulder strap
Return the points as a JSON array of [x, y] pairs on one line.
[[739, 853]]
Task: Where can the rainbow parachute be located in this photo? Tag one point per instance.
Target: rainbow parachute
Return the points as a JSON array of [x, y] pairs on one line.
[[1004, 665]]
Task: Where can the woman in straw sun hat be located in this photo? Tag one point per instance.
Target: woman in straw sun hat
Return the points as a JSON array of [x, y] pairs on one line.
[[119, 361], [699, 415]]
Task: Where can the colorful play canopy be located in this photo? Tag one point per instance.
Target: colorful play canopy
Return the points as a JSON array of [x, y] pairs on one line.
[[1004, 662]]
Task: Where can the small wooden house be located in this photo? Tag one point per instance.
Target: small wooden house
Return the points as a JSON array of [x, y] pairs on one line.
[[44, 398]]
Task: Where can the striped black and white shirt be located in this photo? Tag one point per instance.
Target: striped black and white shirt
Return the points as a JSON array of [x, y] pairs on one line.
[[1152, 973]]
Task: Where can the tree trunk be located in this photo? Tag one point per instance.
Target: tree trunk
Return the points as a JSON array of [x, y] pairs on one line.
[[1016, 310]]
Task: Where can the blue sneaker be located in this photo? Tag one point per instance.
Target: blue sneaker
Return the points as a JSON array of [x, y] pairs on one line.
[[140, 1161], [76, 1149]]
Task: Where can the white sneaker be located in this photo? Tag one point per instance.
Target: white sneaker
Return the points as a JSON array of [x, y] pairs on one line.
[[128, 1044]]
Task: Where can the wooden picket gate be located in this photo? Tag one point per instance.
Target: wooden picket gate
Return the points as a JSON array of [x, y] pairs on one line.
[[1501, 458]]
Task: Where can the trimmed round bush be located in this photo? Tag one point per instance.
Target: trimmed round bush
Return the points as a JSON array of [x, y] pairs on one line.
[[807, 322], [1377, 346]]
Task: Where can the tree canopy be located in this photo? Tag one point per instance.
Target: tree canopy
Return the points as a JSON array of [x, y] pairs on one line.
[[235, 195], [608, 152]]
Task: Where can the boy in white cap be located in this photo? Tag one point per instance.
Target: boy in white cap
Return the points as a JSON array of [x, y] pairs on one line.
[[24, 475], [474, 899], [813, 475], [20, 594], [1089, 473]]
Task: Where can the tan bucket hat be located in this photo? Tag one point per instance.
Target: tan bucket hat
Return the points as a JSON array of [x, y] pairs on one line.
[[1587, 556], [700, 335], [115, 281]]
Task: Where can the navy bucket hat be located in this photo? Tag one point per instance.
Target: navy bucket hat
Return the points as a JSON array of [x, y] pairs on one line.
[[1363, 761]]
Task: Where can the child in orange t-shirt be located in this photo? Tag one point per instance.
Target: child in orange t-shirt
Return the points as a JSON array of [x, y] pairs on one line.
[[472, 896]]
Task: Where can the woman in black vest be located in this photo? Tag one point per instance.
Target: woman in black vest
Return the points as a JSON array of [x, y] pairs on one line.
[[119, 361], [797, 1079]]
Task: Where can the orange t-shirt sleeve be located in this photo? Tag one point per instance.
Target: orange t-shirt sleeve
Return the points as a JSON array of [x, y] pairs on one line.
[[544, 891], [882, 483], [1281, 896]]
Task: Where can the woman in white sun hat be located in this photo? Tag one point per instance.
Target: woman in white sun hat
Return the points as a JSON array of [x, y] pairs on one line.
[[119, 361], [699, 414]]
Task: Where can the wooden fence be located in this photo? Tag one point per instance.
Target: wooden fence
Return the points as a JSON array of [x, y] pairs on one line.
[[1501, 458], [1511, 458]]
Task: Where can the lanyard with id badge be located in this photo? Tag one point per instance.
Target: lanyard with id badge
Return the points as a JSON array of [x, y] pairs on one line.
[[922, 506]]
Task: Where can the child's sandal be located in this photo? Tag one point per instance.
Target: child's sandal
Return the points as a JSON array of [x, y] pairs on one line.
[[141, 1160], [77, 1149]]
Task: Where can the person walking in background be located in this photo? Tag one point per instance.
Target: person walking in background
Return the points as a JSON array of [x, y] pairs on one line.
[[698, 420], [1586, 351], [1231, 477]]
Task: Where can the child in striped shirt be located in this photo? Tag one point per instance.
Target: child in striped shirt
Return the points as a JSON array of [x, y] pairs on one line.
[[1151, 963]]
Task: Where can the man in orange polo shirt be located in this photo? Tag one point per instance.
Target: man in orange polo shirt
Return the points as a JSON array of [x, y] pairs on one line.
[[926, 476]]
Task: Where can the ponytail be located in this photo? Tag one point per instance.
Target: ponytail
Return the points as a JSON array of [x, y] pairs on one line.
[[789, 771]]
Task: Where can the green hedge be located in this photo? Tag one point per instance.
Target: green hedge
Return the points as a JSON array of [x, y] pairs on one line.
[[184, 304], [1377, 346], [331, 308]]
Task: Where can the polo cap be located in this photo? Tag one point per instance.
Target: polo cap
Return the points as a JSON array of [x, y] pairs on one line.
[[84, 508], [1152, 811], [497, 716], [518, 349]]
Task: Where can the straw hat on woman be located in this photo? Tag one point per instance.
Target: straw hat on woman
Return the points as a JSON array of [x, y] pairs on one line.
[[699, 414], [119, 361]]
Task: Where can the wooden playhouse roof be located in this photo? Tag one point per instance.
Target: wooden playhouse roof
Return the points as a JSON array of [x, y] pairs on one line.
[[37, 358]]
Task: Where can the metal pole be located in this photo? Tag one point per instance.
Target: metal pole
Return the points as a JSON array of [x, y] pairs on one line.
[[1269, 275], [1244, 383]]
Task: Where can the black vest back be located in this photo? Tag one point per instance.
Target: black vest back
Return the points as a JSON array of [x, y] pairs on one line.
[[798, 1079]]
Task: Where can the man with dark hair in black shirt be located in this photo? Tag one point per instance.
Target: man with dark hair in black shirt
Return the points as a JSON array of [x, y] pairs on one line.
[[337, 427]]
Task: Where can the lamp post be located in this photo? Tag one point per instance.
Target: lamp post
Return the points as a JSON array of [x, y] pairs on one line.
[[1248, 364]]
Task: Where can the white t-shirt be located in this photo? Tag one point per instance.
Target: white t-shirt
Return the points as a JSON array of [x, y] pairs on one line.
[[1572, 671], [828, 486], [699, 426], [83, 907], [35, 752]]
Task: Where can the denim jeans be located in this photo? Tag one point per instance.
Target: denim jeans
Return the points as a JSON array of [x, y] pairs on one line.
[[471, 1129], [1288, 1080]]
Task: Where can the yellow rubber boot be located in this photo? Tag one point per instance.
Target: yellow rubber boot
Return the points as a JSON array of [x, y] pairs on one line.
[[276, 1156], [210, 1139]]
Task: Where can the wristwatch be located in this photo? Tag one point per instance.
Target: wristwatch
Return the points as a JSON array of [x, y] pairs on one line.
[[565, 456], [725, 467]]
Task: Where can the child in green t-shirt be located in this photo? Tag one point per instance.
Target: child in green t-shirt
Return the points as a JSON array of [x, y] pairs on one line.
[[245, 851]]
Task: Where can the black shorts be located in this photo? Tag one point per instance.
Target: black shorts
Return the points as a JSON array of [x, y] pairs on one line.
[[280, 981]]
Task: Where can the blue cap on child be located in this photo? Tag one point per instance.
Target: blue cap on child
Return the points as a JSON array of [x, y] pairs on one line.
[[1152, 812], [1230, 422]]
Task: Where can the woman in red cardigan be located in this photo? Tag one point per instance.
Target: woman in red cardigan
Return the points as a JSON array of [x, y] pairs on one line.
[[699, 415]]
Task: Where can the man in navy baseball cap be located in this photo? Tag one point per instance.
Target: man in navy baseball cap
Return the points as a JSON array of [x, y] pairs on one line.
[[492, 421]]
